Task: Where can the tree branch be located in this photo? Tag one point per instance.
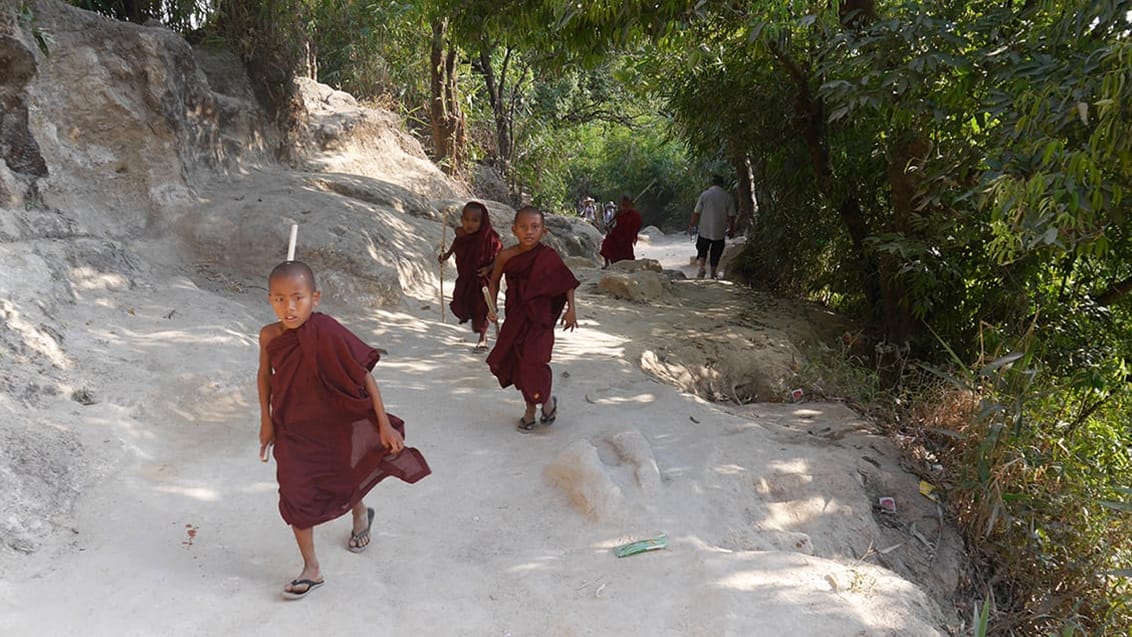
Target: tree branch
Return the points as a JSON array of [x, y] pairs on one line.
[[1114, 293]]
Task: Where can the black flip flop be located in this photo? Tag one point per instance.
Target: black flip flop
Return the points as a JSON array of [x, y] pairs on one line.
[[352, 545], [527, 427], [310, 586]]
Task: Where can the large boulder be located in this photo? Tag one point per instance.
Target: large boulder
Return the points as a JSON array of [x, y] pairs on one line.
[[121, 116], [642, 286], [369, 241], [732, 250], [340, 136]]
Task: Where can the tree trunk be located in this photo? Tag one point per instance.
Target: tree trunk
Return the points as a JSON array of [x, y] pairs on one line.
[[744, 177], [809, 113], [1115, 293], [496, 86], [449, 138], [896, 313]]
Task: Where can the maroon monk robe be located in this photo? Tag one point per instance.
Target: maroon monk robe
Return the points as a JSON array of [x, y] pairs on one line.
[[327, 447], [618, 243], [473, 251], [537, 282]]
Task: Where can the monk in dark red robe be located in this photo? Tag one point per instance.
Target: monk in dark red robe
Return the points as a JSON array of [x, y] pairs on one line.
[[476, 246], [327, 447], [539, 287], [322, 410], [619, 241]]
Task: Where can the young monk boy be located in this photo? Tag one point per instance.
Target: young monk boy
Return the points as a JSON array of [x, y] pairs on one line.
[[539, 285], [475, 247], [322, 411]]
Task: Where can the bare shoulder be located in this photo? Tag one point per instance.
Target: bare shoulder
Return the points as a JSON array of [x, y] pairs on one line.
[[506, 253], [269, 332]]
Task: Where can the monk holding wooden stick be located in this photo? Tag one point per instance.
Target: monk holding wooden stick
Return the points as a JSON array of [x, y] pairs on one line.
[[475, 246]]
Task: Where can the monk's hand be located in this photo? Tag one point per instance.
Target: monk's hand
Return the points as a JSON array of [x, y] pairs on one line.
[[491, 316], [442, 257], [391, 439], [485, 270], [570, 319]]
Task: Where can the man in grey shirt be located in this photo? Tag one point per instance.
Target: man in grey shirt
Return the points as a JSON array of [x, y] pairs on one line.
[[715, 215]]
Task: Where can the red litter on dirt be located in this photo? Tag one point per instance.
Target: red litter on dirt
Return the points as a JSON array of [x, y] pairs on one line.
[[888, 504]]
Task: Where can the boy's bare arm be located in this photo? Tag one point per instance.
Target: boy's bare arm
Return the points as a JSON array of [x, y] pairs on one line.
[[263, 385], [493, 284], [570, 318], [390, 437]]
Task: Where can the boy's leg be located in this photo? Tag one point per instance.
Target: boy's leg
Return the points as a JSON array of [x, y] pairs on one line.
[[305, 539], [533, 374], [361, 520], [359, 537], [479, 326], [549, 410]]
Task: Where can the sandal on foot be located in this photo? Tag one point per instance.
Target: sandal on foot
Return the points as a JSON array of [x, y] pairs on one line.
[[479, 348], [360, 541], [309, 585], [526, 426], [549, 418]]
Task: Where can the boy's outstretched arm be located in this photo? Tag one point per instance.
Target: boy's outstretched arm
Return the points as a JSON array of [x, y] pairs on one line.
[[390, 438], [570, 318], [263, 384]]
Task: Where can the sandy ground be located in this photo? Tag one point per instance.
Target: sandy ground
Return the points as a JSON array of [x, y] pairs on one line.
[[511, 535]]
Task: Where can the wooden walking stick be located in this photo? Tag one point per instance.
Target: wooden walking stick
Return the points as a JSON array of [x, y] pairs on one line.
[[443, 240], [265, 450], [491, 306], [291, 244]]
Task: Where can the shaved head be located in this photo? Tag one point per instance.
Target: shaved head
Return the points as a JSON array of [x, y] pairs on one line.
[[292, 269], [529, 210]]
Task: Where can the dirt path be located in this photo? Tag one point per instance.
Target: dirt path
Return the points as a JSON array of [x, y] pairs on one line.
[[771, 526]]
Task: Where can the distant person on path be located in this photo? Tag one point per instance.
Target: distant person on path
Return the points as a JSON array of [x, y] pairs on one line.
[[714, 216], [622, 236], [589, 211], [475, 247], [539, 286], [607, 216], [321, 409]]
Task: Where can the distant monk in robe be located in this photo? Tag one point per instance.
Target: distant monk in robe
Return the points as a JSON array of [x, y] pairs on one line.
[[476, 246], [619, 241], [539, 286], [321, 409]]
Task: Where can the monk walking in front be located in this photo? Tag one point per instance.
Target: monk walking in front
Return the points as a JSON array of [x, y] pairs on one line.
[[322, 411], [539, 286], [475, 247]]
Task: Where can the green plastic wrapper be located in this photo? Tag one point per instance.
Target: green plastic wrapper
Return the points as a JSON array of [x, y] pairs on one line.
[[640, 546]]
